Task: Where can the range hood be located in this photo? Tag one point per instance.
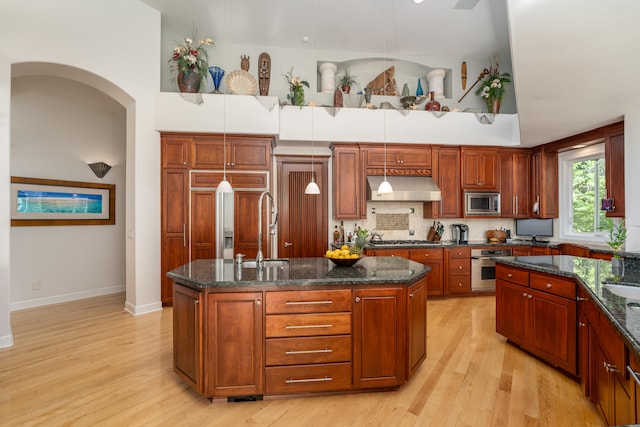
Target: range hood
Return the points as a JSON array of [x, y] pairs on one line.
[[405, 189]]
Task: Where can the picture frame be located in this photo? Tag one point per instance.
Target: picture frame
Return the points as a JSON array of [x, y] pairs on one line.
[[50, 202]]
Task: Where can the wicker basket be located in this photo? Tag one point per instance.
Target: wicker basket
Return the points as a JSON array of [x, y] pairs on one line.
[[496, 236]]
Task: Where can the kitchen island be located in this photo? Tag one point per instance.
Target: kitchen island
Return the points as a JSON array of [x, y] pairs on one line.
[[300, 325], [576, 315]]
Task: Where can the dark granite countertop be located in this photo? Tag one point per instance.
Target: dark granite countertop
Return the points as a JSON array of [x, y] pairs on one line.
[[594, 275], [218, 273]]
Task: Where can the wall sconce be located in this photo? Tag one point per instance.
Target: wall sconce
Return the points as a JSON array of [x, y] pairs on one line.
[[100, 168]]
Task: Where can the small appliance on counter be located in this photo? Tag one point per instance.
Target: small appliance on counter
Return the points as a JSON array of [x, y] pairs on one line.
[[460, 233]]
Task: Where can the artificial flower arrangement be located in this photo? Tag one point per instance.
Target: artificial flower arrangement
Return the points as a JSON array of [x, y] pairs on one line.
[[493, 89], [296, 90], [190, 56]]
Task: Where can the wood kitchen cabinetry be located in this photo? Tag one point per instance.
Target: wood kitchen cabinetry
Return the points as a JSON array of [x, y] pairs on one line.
[[480, 169], [614, 170], [416, 326], [398, 157], [515, 173], [446, 172], [348, 186], [192, 166], [544, 183], [538, 312], [188, 337], [457, 267], [434, 258]]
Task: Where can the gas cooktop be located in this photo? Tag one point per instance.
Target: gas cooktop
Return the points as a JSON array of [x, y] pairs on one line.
[[403, 242]]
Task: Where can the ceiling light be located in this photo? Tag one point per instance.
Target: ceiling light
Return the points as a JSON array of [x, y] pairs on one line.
[[224, 186], [385, 187], [312, 187], [418, 1]]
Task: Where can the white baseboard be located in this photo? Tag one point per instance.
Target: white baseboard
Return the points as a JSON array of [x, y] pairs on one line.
[[56, 299], [6, 341], [138, 310]]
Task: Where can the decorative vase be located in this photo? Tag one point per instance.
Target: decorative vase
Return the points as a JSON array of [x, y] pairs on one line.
[[405, 90], [297, 96], [189, 82], [419, 91], [216, 74], [436, 82], [493, 105], [327, 76], [346, 88], [617, 266], [367, 95], [432, 105]]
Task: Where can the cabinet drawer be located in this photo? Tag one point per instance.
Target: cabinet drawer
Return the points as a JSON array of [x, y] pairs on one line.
[[553, 285], [308, 378], [299, 351], [421, 255], [459, 284], [307, 301], [460, 253], [459, 267], [519, 277], [300, 325]]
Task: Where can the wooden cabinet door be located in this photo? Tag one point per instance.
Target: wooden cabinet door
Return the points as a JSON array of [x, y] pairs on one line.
[[544, 183], [203, 221], [614, 170], [416, 326], [584, 352], [173, 232], [249, 153], [398, 157], [245, 224], [379, 317], [479, 169], [634, 385], [446, 172], [404, 253], [604, 386], [515, 178], [432, 258], [208, 152], [187, 336], [511, 306], [553, 329], [521, 251], [347, 186], [234, 353], [175, 152]]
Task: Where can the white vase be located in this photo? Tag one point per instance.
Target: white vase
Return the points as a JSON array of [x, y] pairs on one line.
[[436, 82], [327, 76]]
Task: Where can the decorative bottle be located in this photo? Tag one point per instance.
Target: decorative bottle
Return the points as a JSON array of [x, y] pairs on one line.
[[419, 91], [336, 236], [432, 105]]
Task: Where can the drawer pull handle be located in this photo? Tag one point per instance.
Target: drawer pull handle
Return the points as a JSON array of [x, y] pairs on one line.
[[610, 367], [308, 302], [459, 267], [548, 285], [581, 299], [308, 326], [581, 324], [509, 275], [326, 350], [529, 296], [524, 294], [308, 380]]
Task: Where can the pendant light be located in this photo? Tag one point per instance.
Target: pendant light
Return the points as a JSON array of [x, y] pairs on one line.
[[312, 187], [385, 187], [224, 186]]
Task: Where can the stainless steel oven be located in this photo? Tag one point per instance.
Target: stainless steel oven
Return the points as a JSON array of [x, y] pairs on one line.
[[483, 268]]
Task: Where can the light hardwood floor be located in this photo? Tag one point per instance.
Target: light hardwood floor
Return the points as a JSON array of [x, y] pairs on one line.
[[89, 363]]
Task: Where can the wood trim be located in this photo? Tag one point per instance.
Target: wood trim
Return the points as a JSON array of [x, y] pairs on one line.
[[593, 136]]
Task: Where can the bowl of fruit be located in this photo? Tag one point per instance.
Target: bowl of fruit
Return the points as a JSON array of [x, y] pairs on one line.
[[344, 256]]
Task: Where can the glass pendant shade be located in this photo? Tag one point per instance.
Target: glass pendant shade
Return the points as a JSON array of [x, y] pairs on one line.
[[224, 186], [385, 187], [312, 188]]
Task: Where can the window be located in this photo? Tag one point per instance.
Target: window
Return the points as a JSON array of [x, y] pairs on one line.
[[582, 185]]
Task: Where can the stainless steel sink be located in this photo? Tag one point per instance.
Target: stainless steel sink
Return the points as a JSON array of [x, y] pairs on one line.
[[276, 262], [624, 291]]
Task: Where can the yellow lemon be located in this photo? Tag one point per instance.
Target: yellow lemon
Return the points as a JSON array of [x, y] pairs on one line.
[[344, 247]]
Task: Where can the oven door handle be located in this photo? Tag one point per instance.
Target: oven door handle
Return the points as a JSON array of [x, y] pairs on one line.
[[481, 257]]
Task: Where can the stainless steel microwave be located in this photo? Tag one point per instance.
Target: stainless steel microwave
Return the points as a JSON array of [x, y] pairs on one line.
[[481, 203]]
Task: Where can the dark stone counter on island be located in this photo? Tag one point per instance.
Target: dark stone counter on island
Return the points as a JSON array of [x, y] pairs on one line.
[[594, 275], [218, 273]]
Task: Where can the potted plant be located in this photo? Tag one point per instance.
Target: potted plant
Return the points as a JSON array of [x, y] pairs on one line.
[[492, 89], [189, 63], [346, 80], [617, 237], [296, 90]]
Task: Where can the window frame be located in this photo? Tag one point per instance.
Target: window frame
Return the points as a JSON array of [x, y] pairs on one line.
[[565, 191]]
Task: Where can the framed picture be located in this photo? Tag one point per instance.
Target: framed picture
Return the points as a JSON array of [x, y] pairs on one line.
[[607, 205], [44, 202]]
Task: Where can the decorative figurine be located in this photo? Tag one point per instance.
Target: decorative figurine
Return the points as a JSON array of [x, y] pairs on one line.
[[264, 73], [244, 62]]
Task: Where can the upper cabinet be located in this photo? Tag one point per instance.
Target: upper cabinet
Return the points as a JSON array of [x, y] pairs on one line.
[[235, 152], [614, 166], [348, 192], [480, 169], [544, 183], [446, 172], [402, 159], [515, 172]]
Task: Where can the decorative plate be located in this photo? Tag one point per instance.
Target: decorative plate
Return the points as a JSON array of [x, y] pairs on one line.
[[240, 82]]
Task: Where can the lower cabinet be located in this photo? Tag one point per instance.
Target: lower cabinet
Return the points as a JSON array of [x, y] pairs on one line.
[[432, 258], [538, 312], [275, 342], [379, 344], [457, 267]]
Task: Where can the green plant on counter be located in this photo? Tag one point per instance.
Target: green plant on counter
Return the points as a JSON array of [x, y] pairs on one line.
[[360, 241], [617, 236]]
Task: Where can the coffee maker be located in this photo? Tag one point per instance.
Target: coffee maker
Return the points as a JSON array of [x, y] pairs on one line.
[[460, 233]]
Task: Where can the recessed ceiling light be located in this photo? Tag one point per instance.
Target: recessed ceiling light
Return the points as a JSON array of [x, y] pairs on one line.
[[418, 1], [305, 39]]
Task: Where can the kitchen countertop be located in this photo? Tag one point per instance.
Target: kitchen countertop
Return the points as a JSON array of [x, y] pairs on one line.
[[219, 273], [592, 274]]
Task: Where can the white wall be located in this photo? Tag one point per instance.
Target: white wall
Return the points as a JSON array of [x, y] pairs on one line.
[[76, 125], [114, 46], [631, 179]]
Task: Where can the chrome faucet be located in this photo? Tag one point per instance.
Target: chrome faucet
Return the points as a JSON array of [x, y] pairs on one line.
[[272, 226]]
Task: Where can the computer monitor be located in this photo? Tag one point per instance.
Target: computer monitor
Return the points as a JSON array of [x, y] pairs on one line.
[[534, 228]]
